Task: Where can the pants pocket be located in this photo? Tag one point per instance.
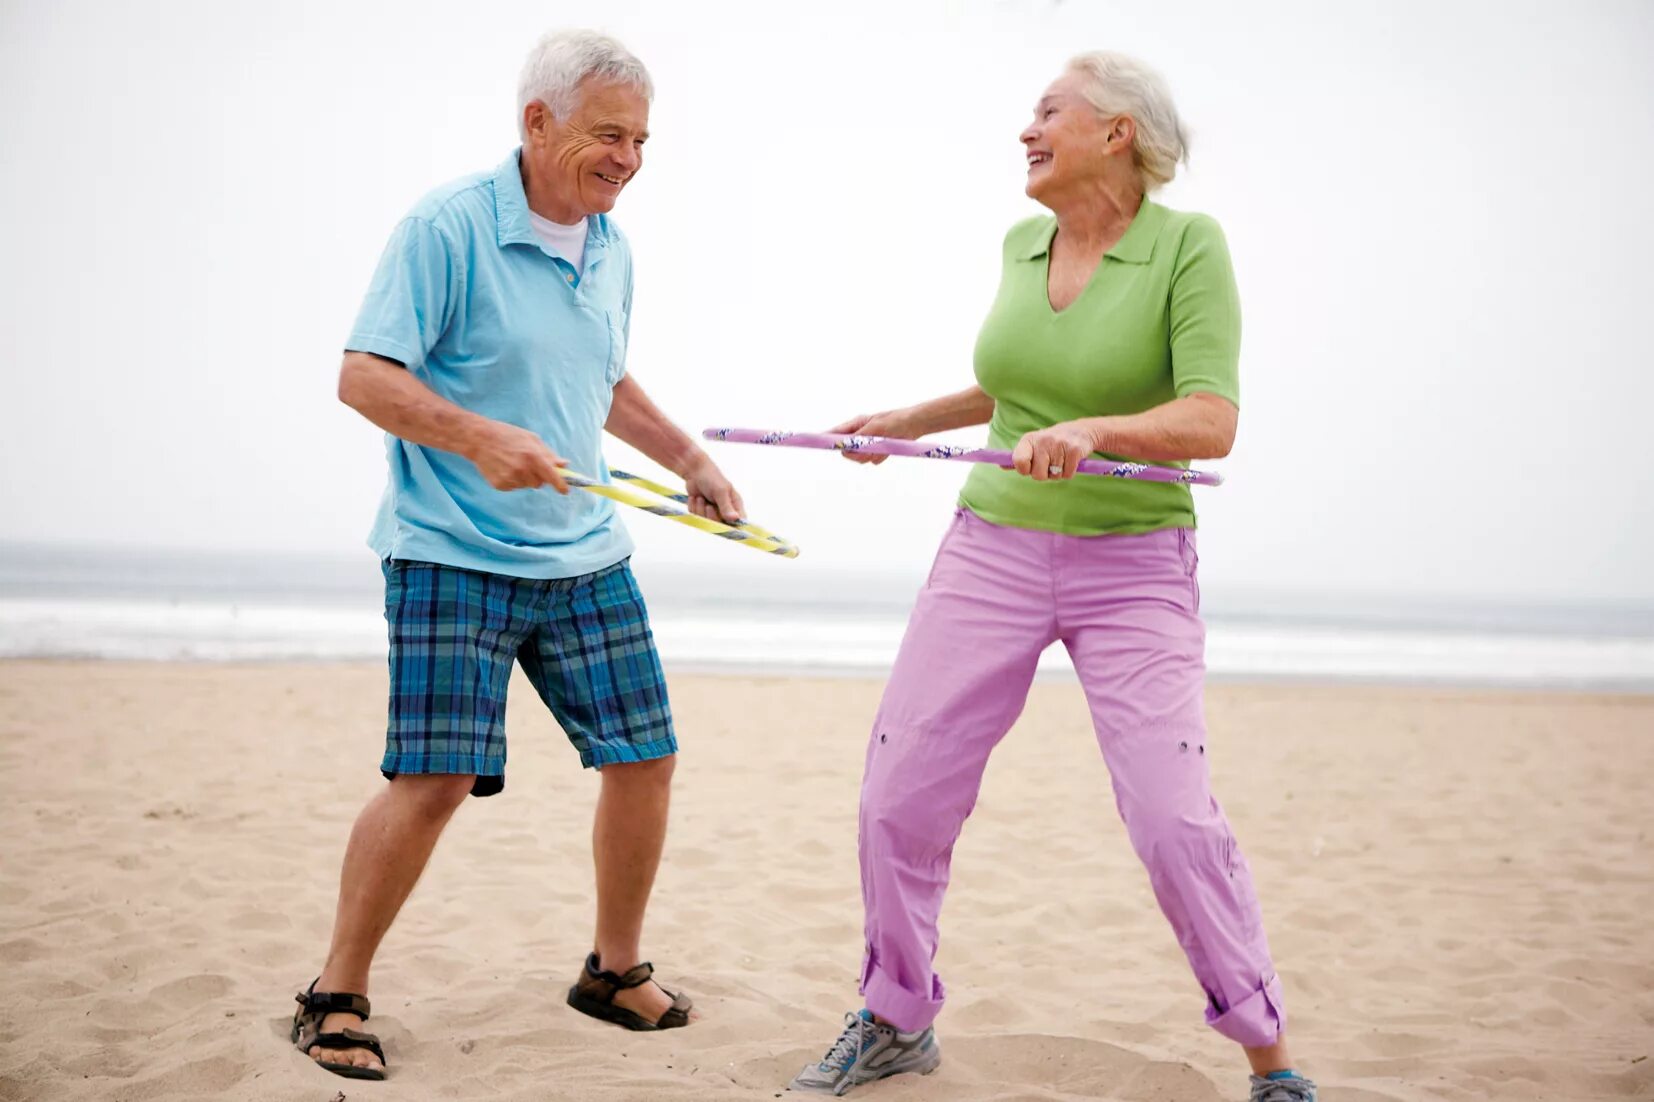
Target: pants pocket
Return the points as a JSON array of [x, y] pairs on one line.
[[948, 537], [1191, 563]]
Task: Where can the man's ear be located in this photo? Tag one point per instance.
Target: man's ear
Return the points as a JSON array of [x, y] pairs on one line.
[[536, 119]]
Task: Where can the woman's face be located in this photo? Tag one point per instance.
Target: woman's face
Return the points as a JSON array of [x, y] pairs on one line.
[[1068, 143]]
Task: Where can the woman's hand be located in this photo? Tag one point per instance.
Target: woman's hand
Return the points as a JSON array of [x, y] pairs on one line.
[[898, 423], [1053, 453]]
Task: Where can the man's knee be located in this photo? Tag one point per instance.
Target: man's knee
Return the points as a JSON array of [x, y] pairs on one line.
[[432, 795], [655, 771]]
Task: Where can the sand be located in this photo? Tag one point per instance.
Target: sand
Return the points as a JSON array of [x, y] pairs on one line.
[[1457, 885]]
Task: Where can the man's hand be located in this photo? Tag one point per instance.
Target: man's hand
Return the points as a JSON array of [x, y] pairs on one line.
[[513, 458], [710, 493], [892, 422], [1053, 453]]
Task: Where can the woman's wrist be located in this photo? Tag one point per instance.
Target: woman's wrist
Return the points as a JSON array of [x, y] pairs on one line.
[[912, 421], [1101, 432]]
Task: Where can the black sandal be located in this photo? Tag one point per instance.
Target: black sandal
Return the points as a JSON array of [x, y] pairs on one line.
[[594, 994], [307, 1024]]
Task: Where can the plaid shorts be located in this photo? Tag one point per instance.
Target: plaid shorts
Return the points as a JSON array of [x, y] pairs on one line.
[[584, 642]]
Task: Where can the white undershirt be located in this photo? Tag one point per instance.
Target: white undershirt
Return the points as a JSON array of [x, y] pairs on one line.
[[568, 242]]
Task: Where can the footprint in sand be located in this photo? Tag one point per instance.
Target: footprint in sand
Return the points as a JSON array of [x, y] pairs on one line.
[[191, 991]]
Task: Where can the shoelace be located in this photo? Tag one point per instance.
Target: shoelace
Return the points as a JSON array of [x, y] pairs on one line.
[[1282, 1090], [852, 1041]]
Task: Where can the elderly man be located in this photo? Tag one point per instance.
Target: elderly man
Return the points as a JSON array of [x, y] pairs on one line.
[[492, 345]]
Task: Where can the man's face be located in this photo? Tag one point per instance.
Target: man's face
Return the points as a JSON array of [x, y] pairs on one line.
[[587, 158]]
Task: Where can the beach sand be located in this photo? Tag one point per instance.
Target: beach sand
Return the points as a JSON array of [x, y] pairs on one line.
[[1458, 887]]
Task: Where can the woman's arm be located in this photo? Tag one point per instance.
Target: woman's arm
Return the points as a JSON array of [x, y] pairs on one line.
[[1199, 426], [962, 409]]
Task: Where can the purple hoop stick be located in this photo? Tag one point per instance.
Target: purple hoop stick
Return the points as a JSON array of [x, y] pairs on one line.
[[886, 445]]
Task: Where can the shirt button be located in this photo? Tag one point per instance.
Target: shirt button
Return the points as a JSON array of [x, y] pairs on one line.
[[570, 277]]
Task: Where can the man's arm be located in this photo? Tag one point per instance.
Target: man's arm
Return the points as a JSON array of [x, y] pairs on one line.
[[386, 393], [634, 418]]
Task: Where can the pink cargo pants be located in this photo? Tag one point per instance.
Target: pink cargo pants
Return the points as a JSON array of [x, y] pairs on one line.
[[1127, 609]]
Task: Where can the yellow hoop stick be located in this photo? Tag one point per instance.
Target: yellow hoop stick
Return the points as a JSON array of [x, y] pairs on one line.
[[683, 499], [766, 542]]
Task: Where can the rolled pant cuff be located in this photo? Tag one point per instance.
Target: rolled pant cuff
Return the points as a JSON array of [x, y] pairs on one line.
[[897, 1005], [1257, 1020]]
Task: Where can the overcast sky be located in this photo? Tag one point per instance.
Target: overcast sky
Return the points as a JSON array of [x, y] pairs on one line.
[[1438, 211]]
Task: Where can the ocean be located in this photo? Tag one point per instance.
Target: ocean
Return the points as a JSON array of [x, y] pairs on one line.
[[90, 602]]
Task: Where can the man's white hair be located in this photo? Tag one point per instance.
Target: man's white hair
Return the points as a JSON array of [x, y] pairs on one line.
[[1117, 84], [555, 68]]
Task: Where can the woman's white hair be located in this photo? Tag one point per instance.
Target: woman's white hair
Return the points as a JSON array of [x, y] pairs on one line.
[[1117, 84], [555, 68]]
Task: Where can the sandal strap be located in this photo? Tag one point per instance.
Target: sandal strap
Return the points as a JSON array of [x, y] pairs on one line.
[[334, 1002], [348, 1038], [635, 976], [677, 1014], [597, 986]]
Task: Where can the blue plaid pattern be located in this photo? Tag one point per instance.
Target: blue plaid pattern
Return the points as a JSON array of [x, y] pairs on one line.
[[584, 643]]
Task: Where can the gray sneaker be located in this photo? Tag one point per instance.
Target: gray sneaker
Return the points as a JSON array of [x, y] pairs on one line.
[[1294, 1089], [866, 1051]]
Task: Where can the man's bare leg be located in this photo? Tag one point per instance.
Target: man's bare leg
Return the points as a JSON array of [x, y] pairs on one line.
[[389, 847], [628, 834]]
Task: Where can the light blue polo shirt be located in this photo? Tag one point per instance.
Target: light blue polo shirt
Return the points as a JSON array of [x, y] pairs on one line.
[[471, 302]]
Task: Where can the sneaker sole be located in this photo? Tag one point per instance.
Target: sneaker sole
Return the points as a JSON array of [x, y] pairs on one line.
[[923, 1068], [929, 1063]]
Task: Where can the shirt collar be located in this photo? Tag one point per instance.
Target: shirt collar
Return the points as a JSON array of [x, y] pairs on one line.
[[1136, 245], [510, 204], [511, 209]]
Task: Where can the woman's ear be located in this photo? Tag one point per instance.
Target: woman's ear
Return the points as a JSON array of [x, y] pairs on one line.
[[1122, 130]]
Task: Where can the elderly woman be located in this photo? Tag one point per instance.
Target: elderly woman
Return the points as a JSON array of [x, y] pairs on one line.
[[1116, 332]]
